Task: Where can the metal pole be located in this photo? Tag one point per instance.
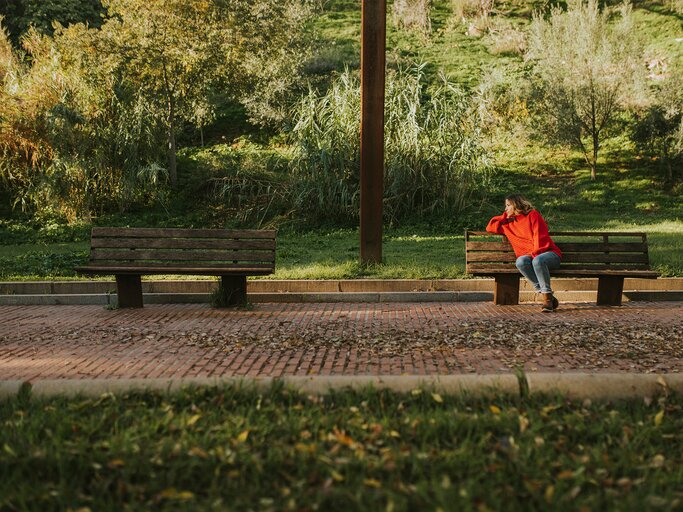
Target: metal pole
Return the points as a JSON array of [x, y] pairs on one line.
[[372, 66]]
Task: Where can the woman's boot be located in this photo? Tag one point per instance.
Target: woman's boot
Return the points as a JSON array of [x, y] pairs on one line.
[[547, 303]]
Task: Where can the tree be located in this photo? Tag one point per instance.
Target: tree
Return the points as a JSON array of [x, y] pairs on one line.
[[42, 14], [267, 65], [659, 127], [585, 69], [178, 51], [169, 51]]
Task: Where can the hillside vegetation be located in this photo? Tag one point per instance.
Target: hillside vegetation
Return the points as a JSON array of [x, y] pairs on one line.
[[469, 119]]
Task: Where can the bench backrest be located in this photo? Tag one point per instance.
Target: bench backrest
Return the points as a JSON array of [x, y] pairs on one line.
[[485, 252], [181, 248]]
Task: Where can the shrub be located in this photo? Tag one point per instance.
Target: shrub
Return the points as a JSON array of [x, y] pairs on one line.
[[500, 100], [412, 15], [463, 9], [73, 141], [506, 39], [475, 13], [241, 184]]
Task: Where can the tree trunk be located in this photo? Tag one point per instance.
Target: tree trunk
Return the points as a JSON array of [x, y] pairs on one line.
[[172, 163], [594, 135], [669, 168], [594, 163]]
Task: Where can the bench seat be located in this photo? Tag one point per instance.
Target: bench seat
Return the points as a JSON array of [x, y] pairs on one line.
[[650, 274], [129, 253], [609, 256], [190, 271]]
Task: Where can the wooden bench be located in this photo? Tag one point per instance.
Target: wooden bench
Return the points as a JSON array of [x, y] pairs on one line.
[[610, 257], [129, 253]]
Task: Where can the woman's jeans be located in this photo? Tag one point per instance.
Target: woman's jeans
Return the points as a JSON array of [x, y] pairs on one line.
[[537, 270]]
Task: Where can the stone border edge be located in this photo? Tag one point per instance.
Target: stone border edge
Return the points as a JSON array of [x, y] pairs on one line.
[[604, 386]]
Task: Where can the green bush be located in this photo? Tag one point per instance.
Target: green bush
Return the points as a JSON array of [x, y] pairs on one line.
[[241, 184]]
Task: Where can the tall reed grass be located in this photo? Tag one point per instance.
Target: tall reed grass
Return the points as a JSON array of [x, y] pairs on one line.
[[435, 163]]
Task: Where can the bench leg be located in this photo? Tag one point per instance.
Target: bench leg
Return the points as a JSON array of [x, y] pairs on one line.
[[129, 291], [610, 289], [506, 290], [235, 290]]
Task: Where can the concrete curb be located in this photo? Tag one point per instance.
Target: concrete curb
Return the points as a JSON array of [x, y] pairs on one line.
[[573, 385], [315, 291], [284, 297], [326, 286]]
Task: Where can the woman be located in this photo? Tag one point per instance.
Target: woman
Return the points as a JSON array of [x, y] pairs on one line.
[[536, 253]]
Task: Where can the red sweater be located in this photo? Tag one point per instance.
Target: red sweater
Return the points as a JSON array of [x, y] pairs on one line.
[[528, 234]]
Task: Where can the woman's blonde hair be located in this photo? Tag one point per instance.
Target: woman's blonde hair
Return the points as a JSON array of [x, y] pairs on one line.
[[520, 203]]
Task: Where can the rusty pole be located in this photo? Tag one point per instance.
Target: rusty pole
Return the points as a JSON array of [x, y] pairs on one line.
[[372, 64]]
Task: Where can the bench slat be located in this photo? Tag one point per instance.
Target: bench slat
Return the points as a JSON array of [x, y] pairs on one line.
[[572, 257], [182, 233], [488, 246], [636, 273], [495, 257], [566, 247], [117, 267], [582, 234], [181, 243], [180, 256], [484, 267], [587, 257]]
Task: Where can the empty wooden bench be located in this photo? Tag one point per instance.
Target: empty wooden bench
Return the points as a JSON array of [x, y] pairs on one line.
[[610, 257], [129, 253]]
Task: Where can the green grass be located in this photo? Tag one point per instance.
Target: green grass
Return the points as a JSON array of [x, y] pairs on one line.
[[448, 47], [239, 449]]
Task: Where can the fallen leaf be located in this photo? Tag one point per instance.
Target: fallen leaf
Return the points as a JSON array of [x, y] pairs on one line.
[[657, 461], [549, 493], [371, 482], [194, 419], [624, 482], [173, 494], [198, 452]]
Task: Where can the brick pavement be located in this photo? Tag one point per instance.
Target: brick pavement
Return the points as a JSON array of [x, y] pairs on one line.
[[194, 340]]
